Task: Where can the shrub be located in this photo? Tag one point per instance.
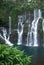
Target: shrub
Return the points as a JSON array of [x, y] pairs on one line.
[[13, 56]]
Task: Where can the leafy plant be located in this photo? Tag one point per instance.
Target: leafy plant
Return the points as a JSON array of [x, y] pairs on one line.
[[13, 56]]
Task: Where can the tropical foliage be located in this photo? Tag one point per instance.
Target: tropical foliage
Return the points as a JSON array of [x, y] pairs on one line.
[[13, 9], [13, 56]]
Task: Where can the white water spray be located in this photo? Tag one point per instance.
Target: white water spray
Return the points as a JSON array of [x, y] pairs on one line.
[[43, 31], [5, 38], [33, 32], [20, 30]]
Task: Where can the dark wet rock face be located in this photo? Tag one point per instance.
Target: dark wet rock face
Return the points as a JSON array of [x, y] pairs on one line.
[[2, 41], [14, 37], [24, 39], [40, 33]]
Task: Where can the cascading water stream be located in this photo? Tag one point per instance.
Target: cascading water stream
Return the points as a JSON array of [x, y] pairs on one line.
[[5, 38], [35, 28], [43, 25], [28, 36], [43, 31], [20, 30], [33, 32]]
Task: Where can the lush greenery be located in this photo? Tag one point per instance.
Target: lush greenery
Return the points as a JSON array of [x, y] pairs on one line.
[[13, 9], [13, 56]]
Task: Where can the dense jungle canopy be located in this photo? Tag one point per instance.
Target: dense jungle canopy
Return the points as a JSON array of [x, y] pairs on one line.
[[15, 8]]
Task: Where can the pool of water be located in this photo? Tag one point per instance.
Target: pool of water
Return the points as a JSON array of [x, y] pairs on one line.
[[37, 54]]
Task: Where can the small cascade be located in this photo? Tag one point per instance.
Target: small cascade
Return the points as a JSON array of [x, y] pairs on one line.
[[9, 25], [5, 37], [20, 30], [33, 32], [43, 31], [35, 14], [28, 36], [43, 25], [39, 14]]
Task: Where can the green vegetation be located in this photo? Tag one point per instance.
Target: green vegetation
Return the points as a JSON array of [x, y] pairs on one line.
[[13, 9], [13, 56]]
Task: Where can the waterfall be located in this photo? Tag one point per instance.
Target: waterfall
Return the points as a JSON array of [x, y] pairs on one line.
[[33, 32], [20, 30], [5, 38]]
